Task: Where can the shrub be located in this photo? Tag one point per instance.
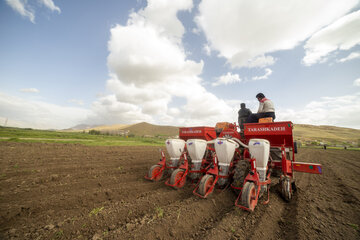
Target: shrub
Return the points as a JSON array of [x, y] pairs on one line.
[[94, 132]]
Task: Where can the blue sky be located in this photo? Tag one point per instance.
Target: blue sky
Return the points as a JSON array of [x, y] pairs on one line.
[[64, 63]]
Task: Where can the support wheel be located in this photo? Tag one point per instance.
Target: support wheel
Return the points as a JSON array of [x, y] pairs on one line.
[[205, 184], [176, 176], [155, 172], [286, 188], [242, 169], [248, 196]]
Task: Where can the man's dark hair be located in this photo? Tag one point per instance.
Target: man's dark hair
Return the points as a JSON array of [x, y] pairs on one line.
[[260, 95], [242, 105]]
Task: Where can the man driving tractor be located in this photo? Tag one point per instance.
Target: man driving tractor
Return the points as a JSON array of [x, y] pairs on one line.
[[266, 109]]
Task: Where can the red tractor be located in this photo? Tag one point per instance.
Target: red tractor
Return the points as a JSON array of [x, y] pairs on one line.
[[221, 156]]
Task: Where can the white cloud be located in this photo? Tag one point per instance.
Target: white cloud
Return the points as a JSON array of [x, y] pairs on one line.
[[41, 115], [336, 111], [343, 34], [22, 8], [351, 56], [229, 78], [51, 5], [29, 90], [196, 31], [161, 15], [27, 10], [108, 110], [268, 72], [77, 101], [207, 49], [357, 82], [244, 32], [244, 60], [140, 55], [149, 66]]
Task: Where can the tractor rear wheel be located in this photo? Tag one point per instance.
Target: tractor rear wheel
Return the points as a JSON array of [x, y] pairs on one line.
[[248, 196], [242, 169], [176, 176], [155, 173], [205, 184]]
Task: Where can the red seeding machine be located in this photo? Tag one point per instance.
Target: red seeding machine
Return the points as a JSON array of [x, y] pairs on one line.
[[220, 157]]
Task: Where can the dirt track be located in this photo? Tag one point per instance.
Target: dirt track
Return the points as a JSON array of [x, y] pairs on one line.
[[65, 191]]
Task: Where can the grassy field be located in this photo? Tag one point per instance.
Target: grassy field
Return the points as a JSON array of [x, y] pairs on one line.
[[30, 135], [306, 135], [328, 135]]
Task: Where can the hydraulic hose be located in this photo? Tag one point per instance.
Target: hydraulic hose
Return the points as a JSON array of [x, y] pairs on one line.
[[234, 139], [240, 142]]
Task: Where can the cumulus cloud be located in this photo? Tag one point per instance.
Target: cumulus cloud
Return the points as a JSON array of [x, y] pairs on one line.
[[245, 32], [351, 56], [21, 7], [338, 111], [140, 55], [41, 115], [341, 35], [26, 10], [229, 78], [29, 90], [161, 15], [357, 82], [109, 110], [149, 67], [268, 72]]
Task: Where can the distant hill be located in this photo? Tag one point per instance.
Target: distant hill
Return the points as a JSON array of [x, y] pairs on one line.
[[326, 134], [147, 129], [81, 127], [111, 127], [86, 127]]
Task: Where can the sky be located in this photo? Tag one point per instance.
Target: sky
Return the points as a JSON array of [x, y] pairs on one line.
[[179, 63]]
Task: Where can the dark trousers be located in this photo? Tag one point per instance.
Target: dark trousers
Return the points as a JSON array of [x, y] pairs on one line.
[[242, 121], [254, 118]]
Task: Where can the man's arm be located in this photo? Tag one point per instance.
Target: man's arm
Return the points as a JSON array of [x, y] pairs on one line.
[[261, 106]]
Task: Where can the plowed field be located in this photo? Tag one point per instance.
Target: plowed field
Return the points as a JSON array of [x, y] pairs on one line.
[[66, 191]]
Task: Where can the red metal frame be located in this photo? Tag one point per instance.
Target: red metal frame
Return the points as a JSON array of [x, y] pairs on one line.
[[279, 134], [185, 167], [162, 163], [211, 171], [203, 169], [253, 176], [230, 131], [205, 133], [313, 168]]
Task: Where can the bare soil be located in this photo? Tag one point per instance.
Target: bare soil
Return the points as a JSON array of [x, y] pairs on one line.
[[68, 191]]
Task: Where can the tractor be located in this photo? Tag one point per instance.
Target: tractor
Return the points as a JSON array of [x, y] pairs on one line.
[[222, 156]]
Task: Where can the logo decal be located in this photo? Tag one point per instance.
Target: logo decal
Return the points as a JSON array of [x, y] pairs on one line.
[[220, 142], [256, 143], [190, 143], [267, 129]]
